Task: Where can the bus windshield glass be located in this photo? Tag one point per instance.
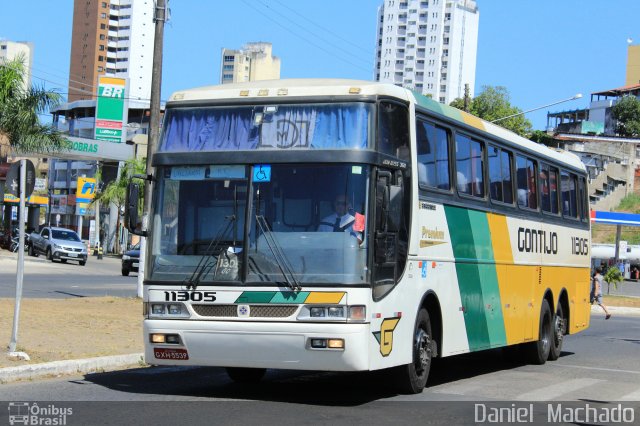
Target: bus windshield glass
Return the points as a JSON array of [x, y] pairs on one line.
[[277, 223], [268, 127]]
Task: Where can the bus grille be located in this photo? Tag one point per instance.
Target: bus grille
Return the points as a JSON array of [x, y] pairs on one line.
[[256, 311]]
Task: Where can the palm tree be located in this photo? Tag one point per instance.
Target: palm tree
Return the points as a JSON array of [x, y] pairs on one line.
[[20, 128], [116, 191]]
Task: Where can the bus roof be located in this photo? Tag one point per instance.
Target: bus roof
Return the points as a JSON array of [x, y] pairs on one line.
[[279, 89]]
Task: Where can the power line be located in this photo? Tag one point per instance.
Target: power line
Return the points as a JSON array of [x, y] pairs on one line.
[[306, 39], [319, 36]]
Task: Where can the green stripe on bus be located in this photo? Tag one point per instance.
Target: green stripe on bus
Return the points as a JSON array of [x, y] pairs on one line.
[[468, 274], [488, 278], [290, 297], [256, 297]]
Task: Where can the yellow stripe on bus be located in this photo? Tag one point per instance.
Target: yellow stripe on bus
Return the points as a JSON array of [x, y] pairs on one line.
[[324, 297]]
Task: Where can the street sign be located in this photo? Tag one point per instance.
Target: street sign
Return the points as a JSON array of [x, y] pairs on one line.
[[13, 179]]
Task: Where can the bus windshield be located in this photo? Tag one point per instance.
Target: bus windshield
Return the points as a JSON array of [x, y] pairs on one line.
[[262, 224]]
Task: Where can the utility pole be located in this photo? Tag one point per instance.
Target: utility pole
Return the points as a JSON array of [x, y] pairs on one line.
[[160, 14], [467, 98]]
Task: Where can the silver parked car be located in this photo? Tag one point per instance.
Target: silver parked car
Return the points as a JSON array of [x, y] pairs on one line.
[[58, 243]]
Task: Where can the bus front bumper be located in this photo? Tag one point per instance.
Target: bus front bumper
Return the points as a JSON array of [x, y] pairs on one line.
[[258, 345]]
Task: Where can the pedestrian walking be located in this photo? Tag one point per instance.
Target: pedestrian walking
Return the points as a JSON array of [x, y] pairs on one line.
[[596, 291]]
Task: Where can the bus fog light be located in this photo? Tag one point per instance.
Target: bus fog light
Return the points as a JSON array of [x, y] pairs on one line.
[[157, 338], [336, 312], [319, 343], [336, 343], [175, 309], [317, 312], [173, 339], [157, 309], [357, 312]]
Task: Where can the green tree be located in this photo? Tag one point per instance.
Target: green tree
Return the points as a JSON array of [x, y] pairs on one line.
[[613, 276], [627, 112], [116, 191], [20, 127], [493, 103]]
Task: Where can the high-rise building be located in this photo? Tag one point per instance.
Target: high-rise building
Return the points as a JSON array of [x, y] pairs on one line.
[[10, 50], [428, 45], [251, 63], [633, 65], [112, 38]]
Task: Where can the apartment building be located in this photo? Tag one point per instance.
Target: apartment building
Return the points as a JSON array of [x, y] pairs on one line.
[[112, 38], [428, 45], [10, 50], [251, 63]]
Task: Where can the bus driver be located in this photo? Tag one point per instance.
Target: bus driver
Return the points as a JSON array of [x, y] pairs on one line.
[[341, 220]]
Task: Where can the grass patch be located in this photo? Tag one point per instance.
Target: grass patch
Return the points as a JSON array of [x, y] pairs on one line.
[[623, 301]]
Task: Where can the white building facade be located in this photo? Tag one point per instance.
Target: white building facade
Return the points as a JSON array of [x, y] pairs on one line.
[[130, 45], [10, 50], [429, 46]]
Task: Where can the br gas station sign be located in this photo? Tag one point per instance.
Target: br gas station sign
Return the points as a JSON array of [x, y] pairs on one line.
[[111, 111]]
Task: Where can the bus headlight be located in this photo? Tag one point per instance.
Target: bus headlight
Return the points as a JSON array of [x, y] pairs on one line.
[[333, 313], [168, 310]]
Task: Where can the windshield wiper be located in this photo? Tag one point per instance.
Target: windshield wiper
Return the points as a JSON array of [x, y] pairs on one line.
[[204, 265], [278, 254]]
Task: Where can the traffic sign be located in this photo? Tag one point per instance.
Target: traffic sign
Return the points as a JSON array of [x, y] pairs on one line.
[[13, 179]]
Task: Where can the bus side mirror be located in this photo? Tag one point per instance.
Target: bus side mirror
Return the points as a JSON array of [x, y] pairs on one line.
[[382, 204], [131, 210]]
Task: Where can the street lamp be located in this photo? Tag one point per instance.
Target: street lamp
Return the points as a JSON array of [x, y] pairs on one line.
[[576, 96]]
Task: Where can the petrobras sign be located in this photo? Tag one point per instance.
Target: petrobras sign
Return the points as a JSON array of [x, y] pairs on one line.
[[111, 109], [85, 192]]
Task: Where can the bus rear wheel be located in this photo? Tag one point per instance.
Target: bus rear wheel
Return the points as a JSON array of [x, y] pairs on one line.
[[246, 375], [412, 378], [559, 330], [538, 352]]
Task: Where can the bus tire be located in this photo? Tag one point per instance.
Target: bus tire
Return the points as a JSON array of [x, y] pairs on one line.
[[559, 330], [412, 378], [246, 375], [538, 351]]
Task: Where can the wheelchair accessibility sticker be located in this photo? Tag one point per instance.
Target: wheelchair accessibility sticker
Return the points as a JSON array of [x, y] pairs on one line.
[[262, 173]]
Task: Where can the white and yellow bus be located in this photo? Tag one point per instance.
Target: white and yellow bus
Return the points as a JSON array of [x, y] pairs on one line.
[[346, 225]]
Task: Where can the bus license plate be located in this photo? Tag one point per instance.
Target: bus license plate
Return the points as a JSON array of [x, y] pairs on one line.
[[167, 353]]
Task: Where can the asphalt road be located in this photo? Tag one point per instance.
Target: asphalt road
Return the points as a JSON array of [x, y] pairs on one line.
[[598, 367], [44, 279]]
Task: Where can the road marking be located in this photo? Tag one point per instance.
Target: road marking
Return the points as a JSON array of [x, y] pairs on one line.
[[550, 392], [633, 396], [609, 370]]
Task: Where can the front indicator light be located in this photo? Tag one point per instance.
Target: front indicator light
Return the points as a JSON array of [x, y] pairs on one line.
[[157, 338], [335, 343], [173, 339], [357, 312]]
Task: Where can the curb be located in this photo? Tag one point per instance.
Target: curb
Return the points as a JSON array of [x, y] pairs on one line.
[[74, 366], [616, 310]]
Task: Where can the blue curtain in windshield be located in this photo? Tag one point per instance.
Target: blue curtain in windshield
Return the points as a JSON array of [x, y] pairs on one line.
[[335, 126]]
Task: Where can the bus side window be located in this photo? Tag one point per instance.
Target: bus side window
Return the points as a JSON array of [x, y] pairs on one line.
[[526, 179], [433, 155], [500, 181], [469, 166], [569, 194]]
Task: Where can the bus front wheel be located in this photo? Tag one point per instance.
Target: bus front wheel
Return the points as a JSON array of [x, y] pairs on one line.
[[538, 351], [412, 378], [246, 375]]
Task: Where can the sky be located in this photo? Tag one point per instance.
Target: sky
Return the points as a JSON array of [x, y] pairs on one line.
[[542, 51]]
